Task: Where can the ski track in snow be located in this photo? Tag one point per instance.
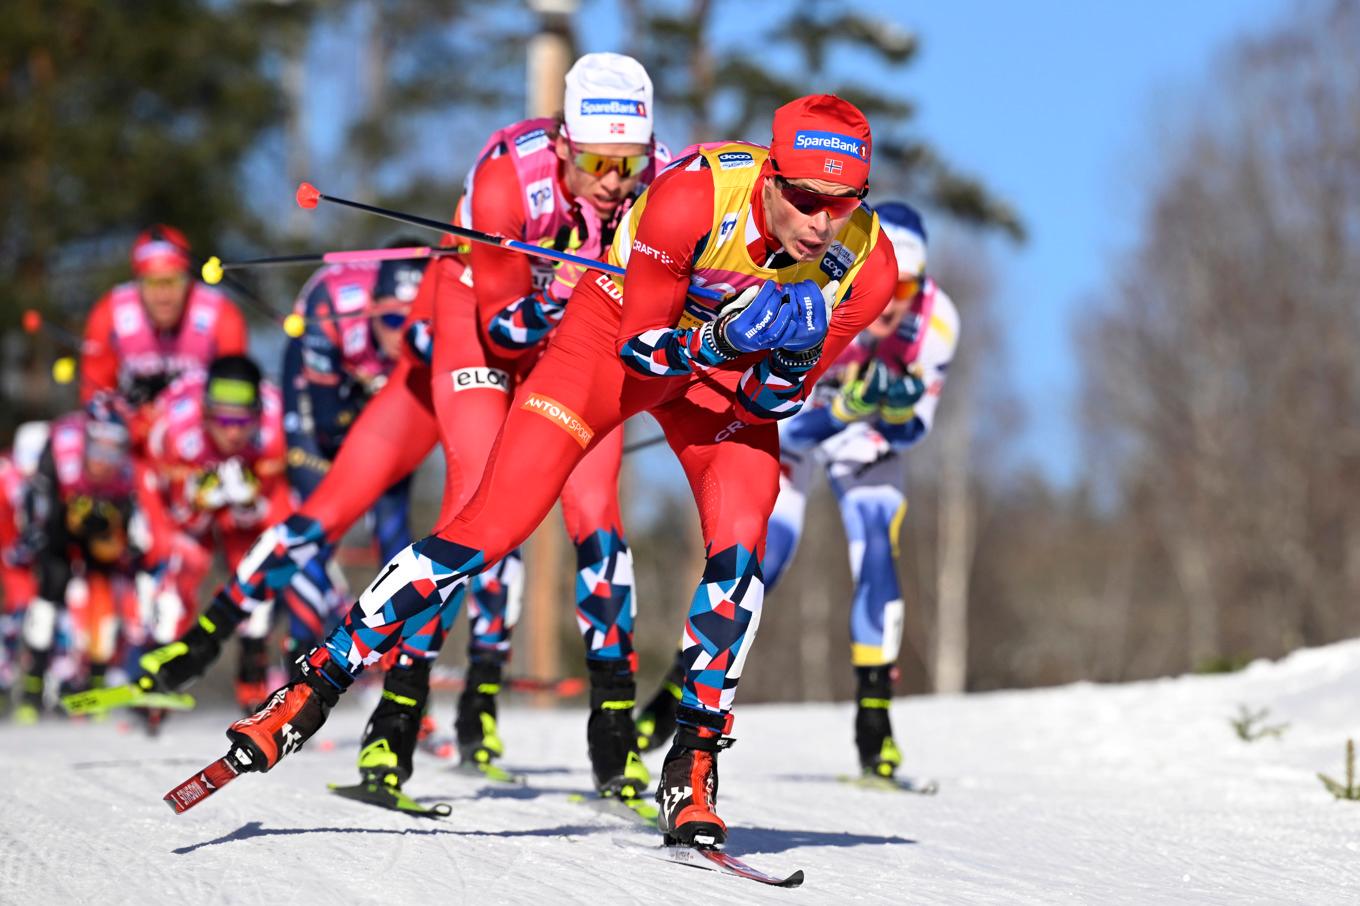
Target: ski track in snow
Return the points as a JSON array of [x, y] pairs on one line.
[[1140, 793]]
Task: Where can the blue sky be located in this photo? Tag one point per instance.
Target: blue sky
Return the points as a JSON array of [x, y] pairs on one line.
[[1056, 105], [1053, 105]]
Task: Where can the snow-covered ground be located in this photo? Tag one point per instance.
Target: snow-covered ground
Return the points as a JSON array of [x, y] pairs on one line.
[[1083, 794]]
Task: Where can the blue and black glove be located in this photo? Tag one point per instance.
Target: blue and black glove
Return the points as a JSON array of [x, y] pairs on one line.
[[754, 322], [901, 397], [808, 326], [862, 392], [771, 316]]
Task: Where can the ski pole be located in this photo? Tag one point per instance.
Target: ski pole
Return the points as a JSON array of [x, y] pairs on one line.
[[295, 324], [308, 196], [64, 368], [34, 323], [214, 267]]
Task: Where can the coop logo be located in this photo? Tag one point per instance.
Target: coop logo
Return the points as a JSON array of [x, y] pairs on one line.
[[561, 416], [481, 379], [612, 107], [540, 196], [530, 142], [837, 260], [350, 297], [810, 140], [735, 160]]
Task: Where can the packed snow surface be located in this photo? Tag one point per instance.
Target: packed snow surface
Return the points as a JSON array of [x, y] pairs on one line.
[[1139, 793]]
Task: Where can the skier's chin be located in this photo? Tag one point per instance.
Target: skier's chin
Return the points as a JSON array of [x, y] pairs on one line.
[[605, 205]]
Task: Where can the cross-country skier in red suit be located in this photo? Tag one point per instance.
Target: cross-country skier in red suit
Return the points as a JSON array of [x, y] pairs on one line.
[[18, 583], [562, 184], [214, 474], [783, 230], [143, 334]]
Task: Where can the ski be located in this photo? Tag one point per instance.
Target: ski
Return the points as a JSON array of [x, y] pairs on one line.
[[710, 859], [97, 701], [444, 748], [389, 797], [490, 771], [892, 784], [206, 782], [640, 810]]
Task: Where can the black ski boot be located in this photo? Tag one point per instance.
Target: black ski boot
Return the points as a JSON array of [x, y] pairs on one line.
[[479, 742], [611, 736], [389, 745], [252, 675], [878, 753], [656, 721], [687, 795], [32, 691], [172, 667]]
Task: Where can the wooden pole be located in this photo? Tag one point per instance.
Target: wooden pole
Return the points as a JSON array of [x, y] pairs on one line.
[[550, 55]]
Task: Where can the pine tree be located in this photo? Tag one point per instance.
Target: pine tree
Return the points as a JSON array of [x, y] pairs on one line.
[[112, 116]]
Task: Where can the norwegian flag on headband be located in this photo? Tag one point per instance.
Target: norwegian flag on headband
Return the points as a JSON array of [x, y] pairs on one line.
[[832, 166], [616, 128]]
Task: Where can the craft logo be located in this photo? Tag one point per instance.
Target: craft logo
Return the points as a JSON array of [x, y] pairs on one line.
[[810, 140], [560, 415], [658, 254], [735, 160], [728, 431], [612, 107], [481, 379]]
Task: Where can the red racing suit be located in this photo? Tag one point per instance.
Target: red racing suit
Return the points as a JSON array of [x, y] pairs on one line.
[[195, 497], [78, 530], [495, 310], [489, 331], [17, 583], [641, 348], [122, 352]]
